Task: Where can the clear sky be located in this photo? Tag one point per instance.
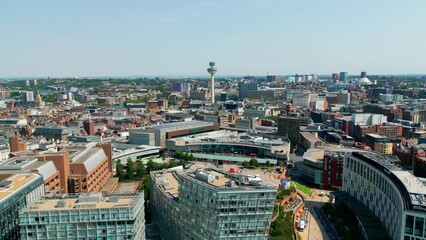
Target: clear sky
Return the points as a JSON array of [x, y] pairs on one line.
[[179, 37]]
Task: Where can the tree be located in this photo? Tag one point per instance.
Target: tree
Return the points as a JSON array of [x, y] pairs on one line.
[[181, 162], [146, 187], [245, 164], [268, 163], [191, 157], [120, 171], [140, 169], [150, 165], [253, 162], [130, 169], [172, 164]]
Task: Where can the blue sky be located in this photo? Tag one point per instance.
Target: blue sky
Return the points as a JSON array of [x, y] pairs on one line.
[[179, 37]]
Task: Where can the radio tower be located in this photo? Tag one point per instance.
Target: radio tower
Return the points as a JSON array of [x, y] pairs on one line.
[[212, 70]]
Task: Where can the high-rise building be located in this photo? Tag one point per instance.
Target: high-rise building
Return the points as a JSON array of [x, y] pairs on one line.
[[223, 96], [17, 192], [391, 194], [273, 78], [35, 82], [290, 127], [86, 216], [181, 87], [343, 77], [244, 87], [89, 127], [335, 77], [28, 96], [208, 204]]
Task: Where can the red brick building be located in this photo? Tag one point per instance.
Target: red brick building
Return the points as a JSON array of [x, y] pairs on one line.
[[333, 170]]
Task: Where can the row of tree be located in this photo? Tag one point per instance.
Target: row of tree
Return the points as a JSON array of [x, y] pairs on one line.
[[253, 163], [137, 170], [184, 156]]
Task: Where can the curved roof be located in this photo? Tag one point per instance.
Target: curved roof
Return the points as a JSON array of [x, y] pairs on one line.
[[364, 80]]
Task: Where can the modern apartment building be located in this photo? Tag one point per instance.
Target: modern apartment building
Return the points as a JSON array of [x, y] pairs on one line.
[[86, 216], [395, 196], [208, 204], [17, 191]]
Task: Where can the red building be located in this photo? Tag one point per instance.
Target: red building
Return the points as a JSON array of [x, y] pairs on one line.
[[333, 171], [89, 127]]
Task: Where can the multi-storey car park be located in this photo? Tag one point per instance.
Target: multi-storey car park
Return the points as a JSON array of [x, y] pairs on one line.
[[208, 204], [395, 196]]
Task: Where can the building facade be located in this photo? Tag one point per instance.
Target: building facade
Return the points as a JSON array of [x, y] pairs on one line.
[[244, 87], [333, 171], [90, 217], [208, 204], [290, 127], [392, 194]]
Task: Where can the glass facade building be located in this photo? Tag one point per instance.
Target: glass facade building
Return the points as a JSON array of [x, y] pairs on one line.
[[87, 216], [208, 204]]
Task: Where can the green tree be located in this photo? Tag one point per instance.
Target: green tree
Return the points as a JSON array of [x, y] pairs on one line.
[[191, 157], [178, 155], [146, 187], [140, 169], [172, 164], [150, 165], [245, 164], [268, 163], [181, 162], [121, 174], [130, 169], [253, 162]]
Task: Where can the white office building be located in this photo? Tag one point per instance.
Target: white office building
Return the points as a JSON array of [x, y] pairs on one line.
[[365, 119]]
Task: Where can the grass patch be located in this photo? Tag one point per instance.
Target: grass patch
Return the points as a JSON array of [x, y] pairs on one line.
[[302, 188]]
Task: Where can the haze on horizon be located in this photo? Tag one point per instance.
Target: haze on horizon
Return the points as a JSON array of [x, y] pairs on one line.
[[179, 38]]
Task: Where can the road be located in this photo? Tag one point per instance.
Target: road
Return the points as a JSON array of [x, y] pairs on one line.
[[316, 228]]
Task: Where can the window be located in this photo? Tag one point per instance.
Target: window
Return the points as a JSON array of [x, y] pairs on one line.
[[409, 224], [418, 229]]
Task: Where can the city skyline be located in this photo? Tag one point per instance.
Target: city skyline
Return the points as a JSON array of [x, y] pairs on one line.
[[142, 38]]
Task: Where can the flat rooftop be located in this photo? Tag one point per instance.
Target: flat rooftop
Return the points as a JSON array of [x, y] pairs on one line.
[[75, 202], [138, 149], [310, 137], [225, 181], [183, 125], [17, 181], [232, 137], [17, 163], [167, 181]]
